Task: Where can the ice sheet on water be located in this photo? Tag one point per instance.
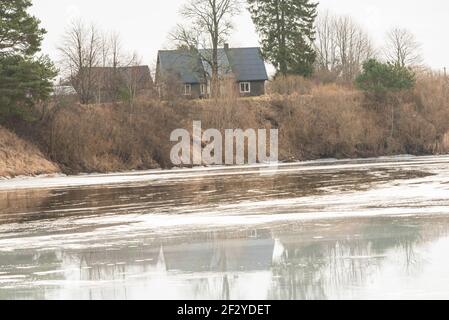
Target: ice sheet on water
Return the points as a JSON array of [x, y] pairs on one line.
[[416, 196], [78, 231], [183, 174]]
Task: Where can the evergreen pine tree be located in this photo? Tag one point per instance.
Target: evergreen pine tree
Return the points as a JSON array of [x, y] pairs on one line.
[[286, 28], [24, 78]]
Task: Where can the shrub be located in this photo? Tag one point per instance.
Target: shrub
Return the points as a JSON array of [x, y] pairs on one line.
[[330, 123], [104, 138], [287, 85], [378, 79]]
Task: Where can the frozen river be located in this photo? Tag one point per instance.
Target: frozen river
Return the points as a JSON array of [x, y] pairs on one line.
[[359, 229]]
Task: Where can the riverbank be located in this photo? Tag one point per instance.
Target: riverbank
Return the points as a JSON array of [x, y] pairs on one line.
[[315, 121], [19, 157], [56, 181]]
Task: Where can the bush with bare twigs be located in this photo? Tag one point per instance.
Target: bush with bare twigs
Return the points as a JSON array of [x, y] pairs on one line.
[[109, 137]]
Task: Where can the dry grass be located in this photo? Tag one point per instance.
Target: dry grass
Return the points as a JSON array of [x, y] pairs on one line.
[[331, 122], [110, 137], [19, 157], [289, 85], [314, 121], [432, 103]]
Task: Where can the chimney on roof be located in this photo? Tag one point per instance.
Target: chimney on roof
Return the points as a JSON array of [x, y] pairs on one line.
[[226, 46]]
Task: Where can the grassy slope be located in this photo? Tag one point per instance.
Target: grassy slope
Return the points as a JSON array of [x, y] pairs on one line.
[[18, 157], [314, 121]]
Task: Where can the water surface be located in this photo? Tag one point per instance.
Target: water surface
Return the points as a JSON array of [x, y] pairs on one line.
[[359, 229]]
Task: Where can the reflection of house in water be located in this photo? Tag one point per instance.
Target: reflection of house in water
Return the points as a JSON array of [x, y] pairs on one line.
[[234, 256], [280, 268], [239, 265], [215, 255], [145, 270], [225, 267]]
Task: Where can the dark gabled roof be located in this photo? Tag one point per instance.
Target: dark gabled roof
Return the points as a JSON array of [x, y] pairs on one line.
[[141, 73], [183, 63], [246, 64], [223, 61]]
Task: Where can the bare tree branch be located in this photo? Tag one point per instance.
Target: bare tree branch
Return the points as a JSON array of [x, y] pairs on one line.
[[81, 52], [402, 48], [342, 46], [209, 26]]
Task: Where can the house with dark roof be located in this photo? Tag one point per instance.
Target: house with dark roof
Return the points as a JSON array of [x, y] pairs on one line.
[[188, 72], [111, 83]]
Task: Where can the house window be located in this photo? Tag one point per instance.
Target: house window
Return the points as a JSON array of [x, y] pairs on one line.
[[187, 89], [245, 87], [203, 89]]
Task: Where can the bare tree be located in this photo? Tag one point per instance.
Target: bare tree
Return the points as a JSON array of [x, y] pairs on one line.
[[342, 46], [116, 50], [116, 60], [132, 79], [402, 48], [326, 43], [209, 26], [81, 51], [102, 79], [187, 38], [327, 64], [353, 47]]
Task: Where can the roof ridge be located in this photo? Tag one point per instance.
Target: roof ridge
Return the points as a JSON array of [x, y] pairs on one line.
[[175, 50], [221, 48], [245, 48]]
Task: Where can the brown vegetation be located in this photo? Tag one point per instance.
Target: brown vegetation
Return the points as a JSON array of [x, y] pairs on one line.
[[334, 121], [314, 121], [109, 137], [19, 157]]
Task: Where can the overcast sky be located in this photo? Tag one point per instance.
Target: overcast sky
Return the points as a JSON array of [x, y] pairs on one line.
[[144, 24]]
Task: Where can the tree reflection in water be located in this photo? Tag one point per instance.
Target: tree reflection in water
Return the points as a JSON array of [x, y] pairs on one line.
[[276, 264], [128, 241]]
